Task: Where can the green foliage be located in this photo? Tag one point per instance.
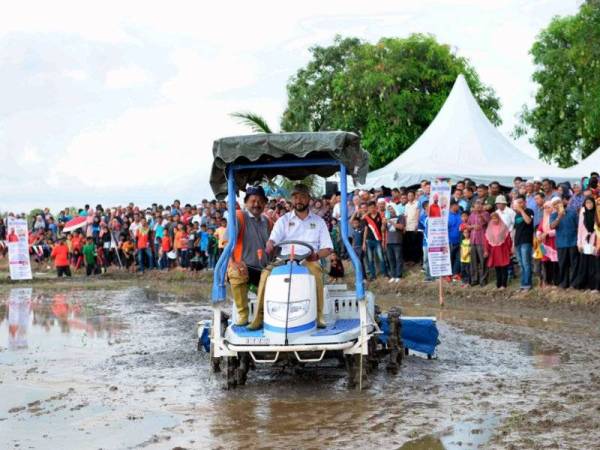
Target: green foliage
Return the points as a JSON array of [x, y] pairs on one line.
[[565, 120], [387, 92], [255, 122]]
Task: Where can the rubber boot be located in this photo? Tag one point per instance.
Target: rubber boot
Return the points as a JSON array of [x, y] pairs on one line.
[[240, 298], [257, 322]]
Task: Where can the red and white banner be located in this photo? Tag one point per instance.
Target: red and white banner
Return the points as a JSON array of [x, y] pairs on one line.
[[17, 239], [438, 247]]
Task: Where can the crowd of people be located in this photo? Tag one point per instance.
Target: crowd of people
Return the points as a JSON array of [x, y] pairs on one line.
[[536, 229]]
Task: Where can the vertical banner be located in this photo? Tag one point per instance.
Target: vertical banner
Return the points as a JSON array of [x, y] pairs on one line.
[[437, 229], [17, 239]]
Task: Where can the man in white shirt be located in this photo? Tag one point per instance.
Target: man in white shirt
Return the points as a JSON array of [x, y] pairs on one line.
[[298, 225], [506, 214]]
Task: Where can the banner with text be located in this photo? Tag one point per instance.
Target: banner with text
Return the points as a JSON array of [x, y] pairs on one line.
[[17, 239], [438, 250]]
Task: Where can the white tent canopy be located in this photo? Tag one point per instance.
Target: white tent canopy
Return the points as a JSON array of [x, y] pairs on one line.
[[461, 142], [587, 166]]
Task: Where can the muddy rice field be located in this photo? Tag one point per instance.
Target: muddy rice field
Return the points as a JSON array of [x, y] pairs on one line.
[[118, 368]]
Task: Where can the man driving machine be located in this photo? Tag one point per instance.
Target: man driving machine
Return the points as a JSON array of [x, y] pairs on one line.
[[248, 258], [298, 225]]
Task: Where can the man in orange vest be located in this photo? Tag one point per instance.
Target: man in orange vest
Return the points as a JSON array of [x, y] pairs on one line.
[[248, 257]]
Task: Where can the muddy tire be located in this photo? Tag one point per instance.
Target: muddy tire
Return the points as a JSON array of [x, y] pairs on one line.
[[231, 364], [353, 371], [372, 359], [395, 341], [215, 363], [242, 370]]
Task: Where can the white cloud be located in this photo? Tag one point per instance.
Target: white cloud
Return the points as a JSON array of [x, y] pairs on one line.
[[127, 77], [131, 103]]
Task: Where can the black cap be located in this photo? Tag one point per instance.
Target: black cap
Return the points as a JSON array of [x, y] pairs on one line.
[[255, 190]]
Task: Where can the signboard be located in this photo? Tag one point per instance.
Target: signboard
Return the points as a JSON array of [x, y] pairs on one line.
[[437, 229], [17, 239]]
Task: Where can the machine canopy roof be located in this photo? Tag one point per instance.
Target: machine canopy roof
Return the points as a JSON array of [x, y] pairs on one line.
[[277, 147]]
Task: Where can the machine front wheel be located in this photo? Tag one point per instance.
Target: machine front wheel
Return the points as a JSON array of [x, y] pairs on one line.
[[230, 370]]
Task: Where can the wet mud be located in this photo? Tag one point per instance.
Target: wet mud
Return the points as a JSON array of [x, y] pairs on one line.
[[119, 369]]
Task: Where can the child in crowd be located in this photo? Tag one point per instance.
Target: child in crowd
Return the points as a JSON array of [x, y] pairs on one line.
[[465, 257], [213, 248], [203, 244], [165, 247], [89, 256], [336, 268], [335, 235], [357, 236], [127, 252]]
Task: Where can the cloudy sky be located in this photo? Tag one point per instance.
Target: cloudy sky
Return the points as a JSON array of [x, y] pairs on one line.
[[117, 101]]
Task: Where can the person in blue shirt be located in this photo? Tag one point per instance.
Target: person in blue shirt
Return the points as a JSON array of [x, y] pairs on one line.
[[454, 221], [565, 221], [203, 243], [423, 226]]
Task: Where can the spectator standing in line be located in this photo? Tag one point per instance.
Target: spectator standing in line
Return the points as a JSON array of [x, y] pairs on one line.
[[498, 248], [587, 241], [395, 231], [524, 241], [549, 256], [465, 258], [60, 254], [412, 241], [478, 220], [144, 253], [454, 235], [89, 256], [357, 238], [564, 221], [374, 240]]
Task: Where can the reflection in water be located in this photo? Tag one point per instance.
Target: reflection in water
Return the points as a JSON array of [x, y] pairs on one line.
[[24, 314]]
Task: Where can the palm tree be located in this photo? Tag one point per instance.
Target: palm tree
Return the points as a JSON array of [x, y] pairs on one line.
[[255, 122], [258, 124]]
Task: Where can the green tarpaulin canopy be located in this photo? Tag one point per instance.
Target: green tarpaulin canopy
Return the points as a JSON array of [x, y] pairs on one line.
[[341, 146]]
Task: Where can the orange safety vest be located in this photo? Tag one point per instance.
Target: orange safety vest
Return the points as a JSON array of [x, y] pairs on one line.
[[239, 243]]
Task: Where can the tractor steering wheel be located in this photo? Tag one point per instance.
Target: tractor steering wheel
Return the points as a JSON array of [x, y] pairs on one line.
[[297, 258]]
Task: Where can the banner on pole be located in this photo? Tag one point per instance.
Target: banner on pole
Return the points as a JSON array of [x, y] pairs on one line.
[[17, 239], [438, 250]]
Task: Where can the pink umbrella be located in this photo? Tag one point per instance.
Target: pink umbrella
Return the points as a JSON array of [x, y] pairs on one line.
[[74, 224]]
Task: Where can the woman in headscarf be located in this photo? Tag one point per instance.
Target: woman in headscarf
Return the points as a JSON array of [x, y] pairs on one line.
[[586, 243], [547, 238], [498, 248]]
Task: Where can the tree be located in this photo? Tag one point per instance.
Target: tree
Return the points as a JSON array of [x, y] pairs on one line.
[[564, 122], [387, 92]]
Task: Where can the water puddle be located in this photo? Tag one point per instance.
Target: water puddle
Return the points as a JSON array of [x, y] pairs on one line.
[[469, 434], [50, 324]]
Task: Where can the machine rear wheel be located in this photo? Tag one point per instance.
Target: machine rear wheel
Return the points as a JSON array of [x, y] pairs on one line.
[[242, 370]]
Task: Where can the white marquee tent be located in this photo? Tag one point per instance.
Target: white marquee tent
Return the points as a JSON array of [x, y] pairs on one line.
[[461, 142], [585, 167]]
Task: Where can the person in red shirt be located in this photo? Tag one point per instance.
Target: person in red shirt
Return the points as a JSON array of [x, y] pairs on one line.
[[498, 249], [144, 253], [76, 248], [60, 255], [165, 247]]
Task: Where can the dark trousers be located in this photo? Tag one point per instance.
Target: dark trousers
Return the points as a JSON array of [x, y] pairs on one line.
[[465, 273], [413, 246], [479, 270], [89, 269], [455, 258], [63, 270], [588, 276], [394, 254], [568, 265], [550, 273], [501, 276]]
